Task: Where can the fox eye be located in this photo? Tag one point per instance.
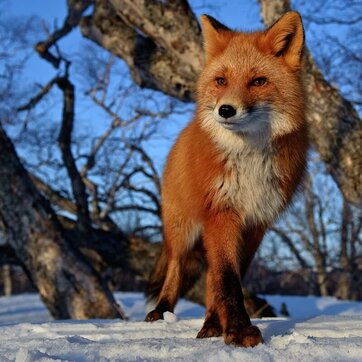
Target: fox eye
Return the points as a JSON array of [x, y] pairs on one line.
[[220, 80], [258, 82]]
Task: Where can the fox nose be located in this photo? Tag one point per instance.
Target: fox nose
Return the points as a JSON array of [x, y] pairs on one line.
[[227, 111]]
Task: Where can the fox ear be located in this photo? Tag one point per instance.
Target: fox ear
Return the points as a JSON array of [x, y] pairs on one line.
[[286, 39], [216, 36]]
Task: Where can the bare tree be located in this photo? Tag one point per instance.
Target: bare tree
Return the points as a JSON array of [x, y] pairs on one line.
[[67, 284], [16, 37], [112, 171], [323, 234]]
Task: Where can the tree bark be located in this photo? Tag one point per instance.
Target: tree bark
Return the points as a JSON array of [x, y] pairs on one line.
[[166, 56], [67, 284], [348, 283], [318, 251], [7, 280], [160, 42]]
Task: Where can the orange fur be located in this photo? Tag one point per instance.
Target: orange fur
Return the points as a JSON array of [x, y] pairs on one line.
[[229, 175]]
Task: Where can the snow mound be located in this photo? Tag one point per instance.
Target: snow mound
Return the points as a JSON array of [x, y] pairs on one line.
[[27, 334]]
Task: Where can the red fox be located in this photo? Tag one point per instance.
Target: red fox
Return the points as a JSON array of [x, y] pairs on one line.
[[232, 170]]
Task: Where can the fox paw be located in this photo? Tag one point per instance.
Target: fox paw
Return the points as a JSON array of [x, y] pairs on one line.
[[208, 332], [153, 316], [246, 337]]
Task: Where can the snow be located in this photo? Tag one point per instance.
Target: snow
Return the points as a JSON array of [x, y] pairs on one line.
[[311, 305], [319, 329]]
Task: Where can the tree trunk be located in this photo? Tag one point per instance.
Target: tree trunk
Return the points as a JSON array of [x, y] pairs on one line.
[[65, 141], [322, 279], [7, 280], [167, 57], [348, 283], [335, 127], [67, 284]]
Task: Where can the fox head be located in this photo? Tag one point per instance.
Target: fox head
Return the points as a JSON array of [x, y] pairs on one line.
[[251, 82]]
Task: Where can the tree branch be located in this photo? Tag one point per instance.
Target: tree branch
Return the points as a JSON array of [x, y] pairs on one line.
[[289, 242], [135, 207], [38, 97], [64, 141], [151, 60], [333, 20], [147, 159], [76, 8], [53, 196]]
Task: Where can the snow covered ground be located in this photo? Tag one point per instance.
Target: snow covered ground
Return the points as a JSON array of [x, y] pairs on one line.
[[319, 329]]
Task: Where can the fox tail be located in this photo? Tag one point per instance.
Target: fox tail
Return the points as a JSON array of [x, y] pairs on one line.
[[192, 269]]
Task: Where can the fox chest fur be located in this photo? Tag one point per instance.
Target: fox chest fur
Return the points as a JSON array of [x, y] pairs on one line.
[[250, 183]]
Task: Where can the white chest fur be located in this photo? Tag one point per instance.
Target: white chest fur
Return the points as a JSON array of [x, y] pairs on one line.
[[250, 183]]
